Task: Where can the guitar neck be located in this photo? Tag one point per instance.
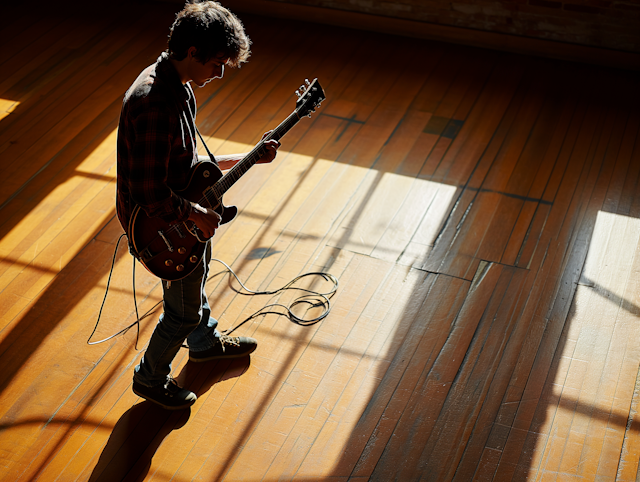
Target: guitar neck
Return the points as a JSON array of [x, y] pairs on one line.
[[237, 171]]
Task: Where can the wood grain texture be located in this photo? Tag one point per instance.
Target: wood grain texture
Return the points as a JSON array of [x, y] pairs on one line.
[[479, 208]]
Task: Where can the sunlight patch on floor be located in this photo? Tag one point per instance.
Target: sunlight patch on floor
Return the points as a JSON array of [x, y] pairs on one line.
[[595, 374], [7, 106]]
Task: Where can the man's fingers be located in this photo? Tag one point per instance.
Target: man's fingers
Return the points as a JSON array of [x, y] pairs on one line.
[[214, 214], [207, 220]]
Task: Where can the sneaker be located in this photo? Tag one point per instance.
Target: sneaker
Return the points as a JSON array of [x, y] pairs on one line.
[[229, 347], [170, 395]]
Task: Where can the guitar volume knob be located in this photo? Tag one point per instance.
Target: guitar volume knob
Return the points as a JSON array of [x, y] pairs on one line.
[[193, 258], [168, 262], [182, 250], [180, 268]]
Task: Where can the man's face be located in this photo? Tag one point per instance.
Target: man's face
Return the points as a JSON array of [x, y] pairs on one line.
[[202, 73]]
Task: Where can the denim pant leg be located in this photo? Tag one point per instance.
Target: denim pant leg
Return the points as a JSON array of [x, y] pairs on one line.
[[205, 335], [185, 308]]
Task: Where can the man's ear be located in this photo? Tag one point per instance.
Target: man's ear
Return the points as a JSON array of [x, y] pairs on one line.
[[192, 53]]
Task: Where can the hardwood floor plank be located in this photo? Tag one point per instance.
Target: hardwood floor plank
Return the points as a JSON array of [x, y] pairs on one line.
[[493, 184], [312, 392], [430, 224], [561, 308], [471, 154], [49, 404], [437, 381], [276, 392], [349, 237], [472, 376], [612, 151], [74, 110], [489, 433], [58, 252], [558, 157], [413, 358], [24, 31]]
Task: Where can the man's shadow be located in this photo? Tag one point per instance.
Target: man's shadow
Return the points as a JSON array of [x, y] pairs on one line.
[[141, 429]]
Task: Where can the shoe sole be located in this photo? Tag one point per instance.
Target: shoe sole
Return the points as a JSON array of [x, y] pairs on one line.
[[220, 357], [166, 407]]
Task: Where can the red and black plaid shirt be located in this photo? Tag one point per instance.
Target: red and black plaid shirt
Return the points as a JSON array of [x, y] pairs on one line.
[[156, 144]]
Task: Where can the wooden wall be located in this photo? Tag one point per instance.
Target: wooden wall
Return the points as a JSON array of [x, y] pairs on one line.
[[612, 24], [567, 31]]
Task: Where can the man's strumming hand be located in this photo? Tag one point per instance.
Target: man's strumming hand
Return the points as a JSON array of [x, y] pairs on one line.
[[206, 219]]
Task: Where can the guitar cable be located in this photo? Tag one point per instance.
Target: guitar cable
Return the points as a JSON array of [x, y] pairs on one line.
[[311, 299], [135, 302]]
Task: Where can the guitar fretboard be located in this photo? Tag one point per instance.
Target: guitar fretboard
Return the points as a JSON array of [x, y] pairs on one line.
[[237, 171]]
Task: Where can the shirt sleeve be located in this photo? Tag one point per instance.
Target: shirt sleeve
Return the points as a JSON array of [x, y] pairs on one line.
[[154, 129]]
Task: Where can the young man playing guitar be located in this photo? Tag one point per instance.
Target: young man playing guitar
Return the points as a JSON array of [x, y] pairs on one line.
[[156, 153]]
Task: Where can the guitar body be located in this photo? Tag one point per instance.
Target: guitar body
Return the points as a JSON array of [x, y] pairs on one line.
[[172, 252]]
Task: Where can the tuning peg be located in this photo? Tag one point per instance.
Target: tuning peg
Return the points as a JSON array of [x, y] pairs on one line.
[[298, 94], [306, 81], [302, 87]]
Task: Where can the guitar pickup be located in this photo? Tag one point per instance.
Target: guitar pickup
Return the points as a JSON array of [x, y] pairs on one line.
[[166, 241], [179, 230]]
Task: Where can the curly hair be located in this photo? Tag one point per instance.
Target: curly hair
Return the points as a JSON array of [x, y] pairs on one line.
[[212, 30]]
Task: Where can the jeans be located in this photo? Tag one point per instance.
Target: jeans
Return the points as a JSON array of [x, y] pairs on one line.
[[186, 316]]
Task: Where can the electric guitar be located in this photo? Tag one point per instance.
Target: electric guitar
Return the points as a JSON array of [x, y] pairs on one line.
[[172, 251]]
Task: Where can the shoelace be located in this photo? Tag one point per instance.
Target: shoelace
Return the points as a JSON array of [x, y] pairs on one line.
[[229, 340], [171, 387]]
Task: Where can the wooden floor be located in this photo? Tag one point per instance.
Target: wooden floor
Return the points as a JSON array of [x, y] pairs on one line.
[[480, 209]]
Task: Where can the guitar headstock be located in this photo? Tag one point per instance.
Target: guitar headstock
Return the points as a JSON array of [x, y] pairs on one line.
[[310, 96]]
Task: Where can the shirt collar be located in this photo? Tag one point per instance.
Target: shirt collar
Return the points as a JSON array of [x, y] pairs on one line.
[[169, 75]]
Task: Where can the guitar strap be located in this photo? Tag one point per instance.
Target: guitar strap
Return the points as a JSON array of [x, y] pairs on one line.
[[213, 159]]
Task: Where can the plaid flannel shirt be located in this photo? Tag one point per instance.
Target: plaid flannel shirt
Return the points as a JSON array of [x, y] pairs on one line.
[[156, 144]]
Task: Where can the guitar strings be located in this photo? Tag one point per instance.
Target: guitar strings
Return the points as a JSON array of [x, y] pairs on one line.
[[237, 171], [258, 151], [311, 299]]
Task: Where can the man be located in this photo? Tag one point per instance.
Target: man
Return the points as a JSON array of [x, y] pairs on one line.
[[156, 151]]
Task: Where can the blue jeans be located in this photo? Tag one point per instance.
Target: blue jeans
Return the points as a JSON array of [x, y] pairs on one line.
[[186, 316]]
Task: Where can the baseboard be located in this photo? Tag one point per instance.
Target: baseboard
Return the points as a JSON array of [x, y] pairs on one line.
[[443, 33]]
